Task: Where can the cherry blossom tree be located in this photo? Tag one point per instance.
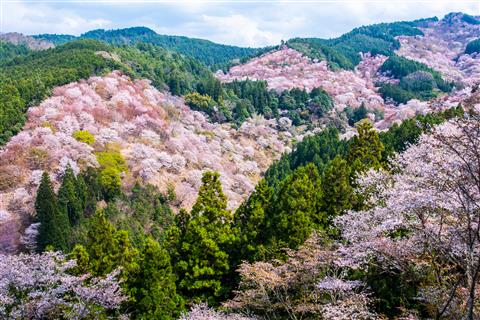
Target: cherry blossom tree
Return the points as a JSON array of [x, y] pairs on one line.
[[39, 286], [427, 214], [203, 312], [307, 285]]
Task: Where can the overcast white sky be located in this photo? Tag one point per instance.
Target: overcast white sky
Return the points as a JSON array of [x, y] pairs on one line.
[[237, 22]]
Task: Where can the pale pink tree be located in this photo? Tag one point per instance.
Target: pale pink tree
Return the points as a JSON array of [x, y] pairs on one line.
[[427, 214], [40, 286], [307, 285]]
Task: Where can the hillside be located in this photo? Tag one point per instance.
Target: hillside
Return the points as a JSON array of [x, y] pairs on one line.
[[163, 142], [210, 53]]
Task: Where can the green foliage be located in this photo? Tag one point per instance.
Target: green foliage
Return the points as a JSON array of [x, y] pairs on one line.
[[470, 19], [56, 39], [417, 80], [204, 238], [108, 248], [69, 203], [366, 149], [200, 102], [165, 68], [84, 136], [12, 108], [248, 98], [250, 224], [152, 285], [54, 225], [211, 54], [395, 93], [110, 182], [336, 188], [357, 114], [319, 149], [9, 51], [112, 159], [112, 164], [144, 211], [473, 46], [297, 209], [251, 97], [80, 254]]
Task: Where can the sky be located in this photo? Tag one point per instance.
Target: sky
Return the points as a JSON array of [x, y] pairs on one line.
[[236, 22]]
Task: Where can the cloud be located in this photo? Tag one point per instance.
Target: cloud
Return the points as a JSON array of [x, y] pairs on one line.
[[239, 23], [239, 30], [35, 18]]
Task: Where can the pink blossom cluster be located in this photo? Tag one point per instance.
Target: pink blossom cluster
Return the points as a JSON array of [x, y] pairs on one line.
[[307, 283], [163, 141], [203, 312], [442, 48], [428, 208], [287, 68]]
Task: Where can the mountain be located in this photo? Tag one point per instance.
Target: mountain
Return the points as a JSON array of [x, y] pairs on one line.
[[210, 53], [304, 181], [28, 79], [31, 42]]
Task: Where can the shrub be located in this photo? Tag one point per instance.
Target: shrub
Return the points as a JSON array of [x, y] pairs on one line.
[[112, 164], [200, 102], [84, 136], [112, 159]]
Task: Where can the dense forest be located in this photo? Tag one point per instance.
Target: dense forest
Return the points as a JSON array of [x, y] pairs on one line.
[[9, 51], [417, 80], [211, 54]]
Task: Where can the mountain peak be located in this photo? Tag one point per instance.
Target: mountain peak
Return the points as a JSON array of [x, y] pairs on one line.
[[460, 18]]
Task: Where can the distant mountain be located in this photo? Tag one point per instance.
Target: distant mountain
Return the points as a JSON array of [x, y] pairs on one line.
[[212, 54], [31, 42], [343, 52]]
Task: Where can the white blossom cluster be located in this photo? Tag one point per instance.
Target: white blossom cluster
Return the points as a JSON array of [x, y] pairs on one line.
[[37, 286], [429, 204]]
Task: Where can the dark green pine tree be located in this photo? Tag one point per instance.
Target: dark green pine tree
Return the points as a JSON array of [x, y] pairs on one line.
[[82, 192], [249, 225], [108, 248], [366, 149], [68, 202], [152, 287], [54, 225], [203, 246], [297, 209], [337, 190]]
